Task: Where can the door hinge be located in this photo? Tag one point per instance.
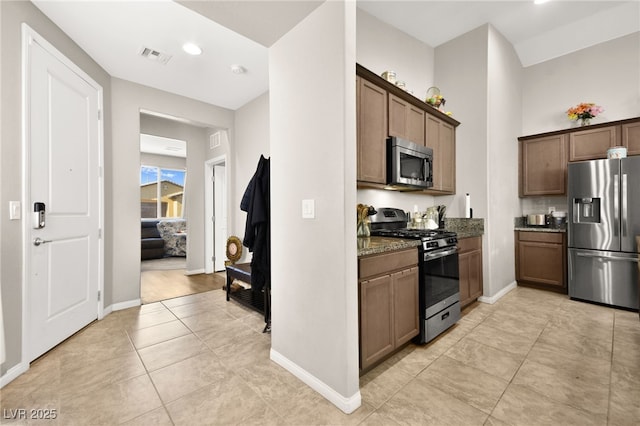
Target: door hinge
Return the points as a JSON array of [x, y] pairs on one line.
[[213, 218], [99, 114], [213, 258], [99, 294], [99, 233]]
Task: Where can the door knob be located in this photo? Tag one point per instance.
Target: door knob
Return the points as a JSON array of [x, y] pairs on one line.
[[37, 241]]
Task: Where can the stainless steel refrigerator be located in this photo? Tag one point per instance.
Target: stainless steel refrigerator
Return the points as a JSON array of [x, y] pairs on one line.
[[603, 220]]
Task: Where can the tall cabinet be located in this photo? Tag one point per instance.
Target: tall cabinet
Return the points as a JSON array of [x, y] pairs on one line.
[[372, 132]]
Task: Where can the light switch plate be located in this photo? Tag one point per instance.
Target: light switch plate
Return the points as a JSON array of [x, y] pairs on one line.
[[308, 209], [14, 210]]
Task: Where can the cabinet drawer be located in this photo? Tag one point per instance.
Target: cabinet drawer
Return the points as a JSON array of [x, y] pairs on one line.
[[385, 263], [469, 244], [542, 237]]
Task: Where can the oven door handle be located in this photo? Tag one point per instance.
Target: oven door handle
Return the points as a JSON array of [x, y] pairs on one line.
[[440, 253]]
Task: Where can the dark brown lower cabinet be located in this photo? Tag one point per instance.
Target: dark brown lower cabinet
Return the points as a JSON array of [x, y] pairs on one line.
[[470, 266], [541, 260], [388, 308]]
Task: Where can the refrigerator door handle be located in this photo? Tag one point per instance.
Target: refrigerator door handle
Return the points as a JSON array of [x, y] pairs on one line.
[[624, 205], [616, 205], [633, 259]]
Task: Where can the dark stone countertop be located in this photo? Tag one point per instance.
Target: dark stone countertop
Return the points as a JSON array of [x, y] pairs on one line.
[[377, 245], [464, 228]]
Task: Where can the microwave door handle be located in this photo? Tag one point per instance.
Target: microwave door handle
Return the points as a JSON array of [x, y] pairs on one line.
[[425, 167]]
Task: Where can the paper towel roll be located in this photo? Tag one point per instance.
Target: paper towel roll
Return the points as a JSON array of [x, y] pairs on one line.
[[467, 206]]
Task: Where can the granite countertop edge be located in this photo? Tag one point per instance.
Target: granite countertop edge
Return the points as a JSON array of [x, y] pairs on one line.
[[377, 245], [539, 229]]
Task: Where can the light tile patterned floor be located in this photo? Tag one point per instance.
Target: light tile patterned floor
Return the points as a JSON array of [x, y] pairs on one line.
[[533, 358]]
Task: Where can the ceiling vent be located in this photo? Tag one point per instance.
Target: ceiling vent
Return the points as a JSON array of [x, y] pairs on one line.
[[154, 55]]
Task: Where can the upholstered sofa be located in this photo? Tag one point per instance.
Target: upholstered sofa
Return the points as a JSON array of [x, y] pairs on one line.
[[152, 244], [174, 234]]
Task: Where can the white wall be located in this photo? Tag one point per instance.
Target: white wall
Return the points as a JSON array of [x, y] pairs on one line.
[[461, 73], [503, 126], [381, 47], [485, 75], [128, 100], [13, 14], [313, 156], [607, 74], [197, 141], [251, 141]]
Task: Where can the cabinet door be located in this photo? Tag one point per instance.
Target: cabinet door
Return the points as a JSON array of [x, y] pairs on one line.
[[592, 144], [631, 138], [543, 166], [376, 320], [372, 132], [541, 263], [447, 158], [405, 120], [440, 137], [475, 274], [405, 308], [470, 265], [464, 261]]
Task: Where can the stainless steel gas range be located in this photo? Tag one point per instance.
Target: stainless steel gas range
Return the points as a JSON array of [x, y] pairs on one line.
[[439, 289]]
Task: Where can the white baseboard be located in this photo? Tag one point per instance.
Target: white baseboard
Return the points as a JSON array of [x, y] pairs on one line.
[[195, 272], [348, 405], [13, 373], [125, 305], [493, 299]]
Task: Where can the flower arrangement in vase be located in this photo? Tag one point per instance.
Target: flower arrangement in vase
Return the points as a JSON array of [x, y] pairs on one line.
[[584, 112]]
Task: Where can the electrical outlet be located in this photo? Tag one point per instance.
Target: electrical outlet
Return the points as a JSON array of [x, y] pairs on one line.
[[551, 209]]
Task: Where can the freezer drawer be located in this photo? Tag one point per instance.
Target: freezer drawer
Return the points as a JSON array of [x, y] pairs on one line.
[[604, 277]]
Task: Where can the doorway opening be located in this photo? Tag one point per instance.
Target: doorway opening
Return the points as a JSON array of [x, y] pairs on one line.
[[172, 212]]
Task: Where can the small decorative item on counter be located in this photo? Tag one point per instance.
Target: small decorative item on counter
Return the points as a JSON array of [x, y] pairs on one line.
[[617, 152], [390, 76], [434, 98], [401, 85], [364, 224], [584, 112]]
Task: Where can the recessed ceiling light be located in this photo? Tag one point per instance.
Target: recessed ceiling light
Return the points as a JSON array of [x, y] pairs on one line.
[[540, 1], [192, 49], [237, 69]]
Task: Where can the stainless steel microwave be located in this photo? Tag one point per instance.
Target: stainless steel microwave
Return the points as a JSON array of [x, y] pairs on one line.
[[409, 165]]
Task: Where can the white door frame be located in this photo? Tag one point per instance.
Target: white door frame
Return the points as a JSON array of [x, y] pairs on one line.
[[209, 250], [30, 36]]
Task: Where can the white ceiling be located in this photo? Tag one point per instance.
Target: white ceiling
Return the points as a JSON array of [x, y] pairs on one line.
[[538, 32], [113, 32], [159, 145]]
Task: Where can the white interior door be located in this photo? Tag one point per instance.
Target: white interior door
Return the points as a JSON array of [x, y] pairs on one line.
[[220, 215], [63, 145]]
